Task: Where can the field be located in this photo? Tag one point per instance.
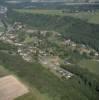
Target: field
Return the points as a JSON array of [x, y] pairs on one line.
[[41, 11], [3, 71], [45, 82], [34, 94], [10, 88], [45, 85], [91, 17], [91, 65], [1, 27]]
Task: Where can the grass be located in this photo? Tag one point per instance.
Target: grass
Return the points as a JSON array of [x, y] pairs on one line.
[[41, 11], [94, 18], [91, 65], [87, 16], [1, 29], [44, 81], [28, 39], [43, 84], [34, 94], [3, 71]]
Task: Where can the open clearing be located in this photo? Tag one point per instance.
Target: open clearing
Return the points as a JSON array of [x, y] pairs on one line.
[[11, 88], [3, 71], [34, 94], [91, 65], [91, 17]]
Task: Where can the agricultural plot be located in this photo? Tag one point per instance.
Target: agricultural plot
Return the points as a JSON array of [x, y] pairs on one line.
[[91, 17], [42, 11], [11, 88]]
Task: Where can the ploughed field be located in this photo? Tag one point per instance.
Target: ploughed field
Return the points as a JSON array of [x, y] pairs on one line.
[[11, 88]]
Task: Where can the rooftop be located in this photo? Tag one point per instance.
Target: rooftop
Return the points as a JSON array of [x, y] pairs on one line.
[[3, 10]]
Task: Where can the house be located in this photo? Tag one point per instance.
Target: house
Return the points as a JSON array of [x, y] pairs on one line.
[[67, 42], [18, 44], [96, 54], [64, 73], [3, 10]]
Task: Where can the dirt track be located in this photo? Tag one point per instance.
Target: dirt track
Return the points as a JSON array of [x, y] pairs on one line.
[[11, 88]]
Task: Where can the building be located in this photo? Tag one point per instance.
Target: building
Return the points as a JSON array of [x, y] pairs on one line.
[[3, 10]]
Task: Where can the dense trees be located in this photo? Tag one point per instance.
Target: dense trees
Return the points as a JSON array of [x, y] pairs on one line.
[[7, 46], [88, 78], [75, 29]]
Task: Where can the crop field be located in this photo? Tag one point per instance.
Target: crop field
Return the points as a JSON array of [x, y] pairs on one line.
[[91, 65], [41, 11], [10, 88], [91, 17]]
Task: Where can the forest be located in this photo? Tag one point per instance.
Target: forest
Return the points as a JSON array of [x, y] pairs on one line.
[[78, 30]]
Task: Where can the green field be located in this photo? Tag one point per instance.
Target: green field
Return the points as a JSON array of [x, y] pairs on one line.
[[47, 85], [91, 65], [42, 83], [34, 94], [45, 82], [87, 16], [1, 27], [3, 71], [41, 11]]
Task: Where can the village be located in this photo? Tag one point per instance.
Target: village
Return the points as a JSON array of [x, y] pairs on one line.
[[36, 46], [49, 50]]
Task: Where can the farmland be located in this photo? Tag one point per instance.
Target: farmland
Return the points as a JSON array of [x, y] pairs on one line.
[[91, 17], [11, 88]]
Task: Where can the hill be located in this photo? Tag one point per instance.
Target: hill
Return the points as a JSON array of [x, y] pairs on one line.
[[76, 29], [67, 1]]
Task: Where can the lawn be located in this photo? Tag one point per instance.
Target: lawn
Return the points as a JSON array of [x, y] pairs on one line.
[[91, 65]]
